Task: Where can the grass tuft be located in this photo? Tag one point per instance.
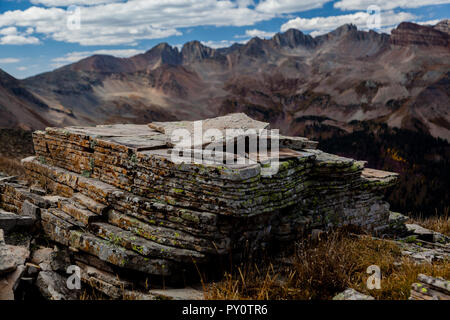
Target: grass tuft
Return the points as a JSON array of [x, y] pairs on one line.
[[320, 270], [438, 222], [11, 167]]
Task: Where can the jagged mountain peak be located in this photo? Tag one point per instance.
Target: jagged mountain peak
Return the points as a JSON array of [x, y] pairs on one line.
[[344, 29], [162, 53], [195, 51], [292, 38]]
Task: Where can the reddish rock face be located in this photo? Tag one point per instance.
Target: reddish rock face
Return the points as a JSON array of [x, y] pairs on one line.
[[408, 34]]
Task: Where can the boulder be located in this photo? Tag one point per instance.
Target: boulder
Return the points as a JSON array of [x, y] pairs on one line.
[[430, 288], [10, 282], [11, 257], [352, 294], [421, 232], [53, 286]]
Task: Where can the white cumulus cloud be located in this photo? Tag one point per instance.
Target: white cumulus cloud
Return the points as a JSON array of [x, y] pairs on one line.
[[66, 3], [385, 5], [321, 25], [12, 36], [288, 6], [218, 44], [9, 60], [259, 33], [126, 22]]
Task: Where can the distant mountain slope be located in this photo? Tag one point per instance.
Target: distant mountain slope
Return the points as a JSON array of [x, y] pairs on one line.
[[345, 75], [18, 107]]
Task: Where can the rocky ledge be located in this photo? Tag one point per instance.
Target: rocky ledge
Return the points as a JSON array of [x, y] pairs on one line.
[[114, 202]]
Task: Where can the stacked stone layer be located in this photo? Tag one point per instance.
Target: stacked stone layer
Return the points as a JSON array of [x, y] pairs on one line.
[[115, 194]]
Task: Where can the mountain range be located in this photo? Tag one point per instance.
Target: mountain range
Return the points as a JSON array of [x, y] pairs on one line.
[[365, 95], [291, 79]]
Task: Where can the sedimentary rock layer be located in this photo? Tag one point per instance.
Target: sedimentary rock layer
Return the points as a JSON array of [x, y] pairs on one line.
[[116, 193]]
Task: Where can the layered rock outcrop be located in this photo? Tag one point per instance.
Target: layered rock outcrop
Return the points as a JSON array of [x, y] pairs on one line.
[[114, 195], [429, 288], [408, 33]]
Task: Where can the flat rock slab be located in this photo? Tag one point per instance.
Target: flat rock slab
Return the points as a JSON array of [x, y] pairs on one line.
[[139, 143], [11, 257], [421, 232], [283, 154], [8, 179], [425, 252], [352, 294], [429, 288], [114, 130], [179, 294], [373, 174], [10, 221], [231, 121]]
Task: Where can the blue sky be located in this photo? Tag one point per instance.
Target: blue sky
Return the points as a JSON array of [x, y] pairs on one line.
[[40, 35]]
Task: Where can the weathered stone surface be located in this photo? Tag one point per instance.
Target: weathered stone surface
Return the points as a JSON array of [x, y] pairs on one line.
[[397, 223], [2, 237], [231, 121], [42, 255], [95, 207], [82, 215], [188, 293], [105, 282], [38, 190], [424, 252], [53, 286], [10, 221], [429, 288], [421, 232], [9, 283], [425, 234], [11, 257], [147, 248], [10, 178], [117, 255], [30, 210], [352, 294], [7, 263]]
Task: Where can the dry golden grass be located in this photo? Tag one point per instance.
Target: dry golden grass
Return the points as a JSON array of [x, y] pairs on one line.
[[321, 270], [438, 222], [11, 166]]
